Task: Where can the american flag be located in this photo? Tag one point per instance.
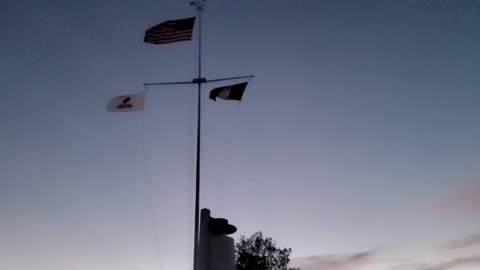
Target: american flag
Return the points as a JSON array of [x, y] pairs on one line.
[[170, 31]]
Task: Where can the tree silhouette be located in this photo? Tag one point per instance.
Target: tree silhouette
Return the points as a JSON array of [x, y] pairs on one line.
[[259, 253]]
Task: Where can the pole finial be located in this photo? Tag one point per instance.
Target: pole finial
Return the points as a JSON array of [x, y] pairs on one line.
[[198, 4]]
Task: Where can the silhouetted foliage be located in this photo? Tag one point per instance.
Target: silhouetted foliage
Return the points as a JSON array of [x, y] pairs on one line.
[[259, 253]]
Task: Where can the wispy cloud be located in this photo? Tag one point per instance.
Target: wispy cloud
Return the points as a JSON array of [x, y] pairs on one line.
[[474, 260], [335, 262], [465, 261], [409, 266], [463, 199], [469, 241]]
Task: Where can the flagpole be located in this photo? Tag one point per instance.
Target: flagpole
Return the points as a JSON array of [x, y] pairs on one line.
[[162, 34], [199, 5]]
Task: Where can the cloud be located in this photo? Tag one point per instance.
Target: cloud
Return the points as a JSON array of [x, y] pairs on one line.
[[465, 242], [464, 199], [334, 262], [474, 260], [409, 266]]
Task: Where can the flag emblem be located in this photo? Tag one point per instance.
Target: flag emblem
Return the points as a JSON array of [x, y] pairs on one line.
[[127, 103], [230, 92], [170, 31]]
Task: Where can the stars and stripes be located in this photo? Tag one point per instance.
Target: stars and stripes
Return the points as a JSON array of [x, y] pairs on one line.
[[170, 31]]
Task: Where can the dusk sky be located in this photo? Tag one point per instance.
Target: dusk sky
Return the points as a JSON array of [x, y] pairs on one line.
[[357, 144]]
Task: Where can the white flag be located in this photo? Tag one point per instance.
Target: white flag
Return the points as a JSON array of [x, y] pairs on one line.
[[127, 103]]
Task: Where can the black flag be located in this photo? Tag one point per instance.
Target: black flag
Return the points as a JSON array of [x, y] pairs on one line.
[[230, 92]]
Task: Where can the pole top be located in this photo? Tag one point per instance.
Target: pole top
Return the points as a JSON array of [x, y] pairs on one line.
[[199, 4]]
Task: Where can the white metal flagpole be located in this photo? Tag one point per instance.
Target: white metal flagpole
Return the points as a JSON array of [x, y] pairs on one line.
[[199, 80]]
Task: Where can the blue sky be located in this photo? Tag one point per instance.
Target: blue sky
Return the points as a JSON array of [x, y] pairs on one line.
[[358, 134]]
